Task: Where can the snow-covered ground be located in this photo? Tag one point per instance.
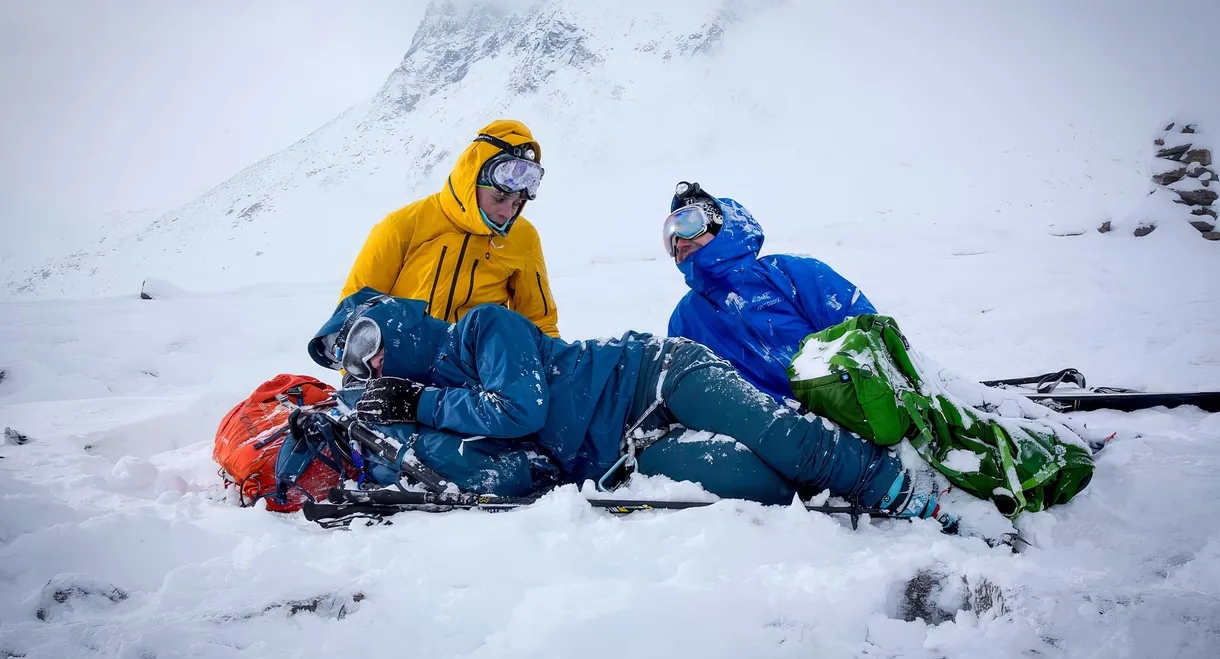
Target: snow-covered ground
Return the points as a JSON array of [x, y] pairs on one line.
[[928, 157], [118, 491]]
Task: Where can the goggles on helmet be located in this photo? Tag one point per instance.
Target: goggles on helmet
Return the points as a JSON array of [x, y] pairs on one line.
[[515, 169], [513, 175], [362, 344], [688, 222]]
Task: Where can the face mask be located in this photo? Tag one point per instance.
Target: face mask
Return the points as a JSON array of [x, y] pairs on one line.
[[500, 229]]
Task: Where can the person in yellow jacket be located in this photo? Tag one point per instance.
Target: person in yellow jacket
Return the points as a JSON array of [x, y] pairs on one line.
[[468, 244]]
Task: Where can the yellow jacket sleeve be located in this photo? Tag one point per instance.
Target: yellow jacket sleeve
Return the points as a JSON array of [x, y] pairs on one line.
[[381, 259], [532, 291]]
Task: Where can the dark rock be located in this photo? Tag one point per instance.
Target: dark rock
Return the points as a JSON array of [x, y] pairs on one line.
[[1143, 230], [1202, 226], [334, 606], [1159, 142], [922, 595], [1196, 197], [250, 211], [1201, 156], [16, 437], [1201, 211], [1104, 228], [986, 596], [60, 593], [1189, 128], [1170, 177], [935, 596], [1173, 152], [1212, 235], [1170, 126]]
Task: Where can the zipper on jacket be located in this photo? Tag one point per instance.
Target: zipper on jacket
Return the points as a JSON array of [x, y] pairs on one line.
[[439, 263], [546, 308], [457, 272], [454, 193], [470, 291]]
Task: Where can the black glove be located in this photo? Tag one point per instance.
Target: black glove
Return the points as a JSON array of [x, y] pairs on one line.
[[389, 400]]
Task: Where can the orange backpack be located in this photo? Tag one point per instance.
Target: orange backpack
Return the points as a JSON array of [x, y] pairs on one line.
[[249, 438]]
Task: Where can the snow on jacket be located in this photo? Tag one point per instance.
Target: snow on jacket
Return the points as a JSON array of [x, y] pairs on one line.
[[494, 374], [439, 250], [754, 311]]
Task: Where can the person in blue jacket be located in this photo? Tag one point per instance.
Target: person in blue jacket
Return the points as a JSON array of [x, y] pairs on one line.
[[753, 311], [494, 377]]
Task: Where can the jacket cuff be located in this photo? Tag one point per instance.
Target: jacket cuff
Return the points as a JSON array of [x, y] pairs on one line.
[[425, 412]]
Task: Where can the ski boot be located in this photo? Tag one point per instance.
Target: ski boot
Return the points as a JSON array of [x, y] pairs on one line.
[[916, 495]]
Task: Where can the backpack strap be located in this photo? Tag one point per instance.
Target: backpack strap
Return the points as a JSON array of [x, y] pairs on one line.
[[311, 437]]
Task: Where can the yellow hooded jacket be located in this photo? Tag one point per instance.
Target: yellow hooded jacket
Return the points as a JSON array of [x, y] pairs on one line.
[[439, 250]]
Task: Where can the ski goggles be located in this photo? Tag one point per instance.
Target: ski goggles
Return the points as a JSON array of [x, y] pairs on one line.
[[361, 346], [688, 222], [513, 175], [515, 168]]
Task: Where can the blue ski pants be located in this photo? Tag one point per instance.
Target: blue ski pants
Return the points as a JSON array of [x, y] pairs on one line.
[[738, 442]]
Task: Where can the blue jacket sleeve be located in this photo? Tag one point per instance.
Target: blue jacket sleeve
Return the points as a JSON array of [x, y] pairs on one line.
[[675, 320], [513, 398], [825, 297]]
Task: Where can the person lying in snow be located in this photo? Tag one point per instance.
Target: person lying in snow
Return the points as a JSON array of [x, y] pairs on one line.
[[668, 404], [752, 311]]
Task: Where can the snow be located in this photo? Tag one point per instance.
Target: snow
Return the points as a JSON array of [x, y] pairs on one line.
[[705, 437], [932, 168], [813, 361], [963, 460]]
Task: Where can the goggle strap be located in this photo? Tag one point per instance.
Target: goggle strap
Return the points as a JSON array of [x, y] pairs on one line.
[[494, 141], [518, 151]]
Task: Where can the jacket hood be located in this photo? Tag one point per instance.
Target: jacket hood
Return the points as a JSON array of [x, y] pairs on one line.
[[415, 339], [458, 197], [739, 241]]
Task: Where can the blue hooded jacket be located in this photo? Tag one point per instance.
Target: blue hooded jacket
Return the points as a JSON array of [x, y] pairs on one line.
[[754, 311], [493, 374]]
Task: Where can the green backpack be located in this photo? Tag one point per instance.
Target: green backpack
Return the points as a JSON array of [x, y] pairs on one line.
[[860, 375]]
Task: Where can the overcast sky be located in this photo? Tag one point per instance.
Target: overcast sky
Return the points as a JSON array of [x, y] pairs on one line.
[[126, 104]]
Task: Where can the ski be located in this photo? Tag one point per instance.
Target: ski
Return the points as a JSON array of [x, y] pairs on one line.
[[344, 506], [1045, 383], [1126, 401], [1080, 398]]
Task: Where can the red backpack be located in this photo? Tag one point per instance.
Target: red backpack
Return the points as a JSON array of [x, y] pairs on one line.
[[249, 438]]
